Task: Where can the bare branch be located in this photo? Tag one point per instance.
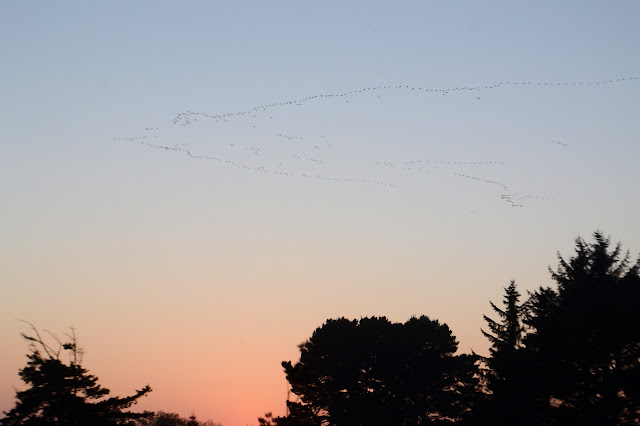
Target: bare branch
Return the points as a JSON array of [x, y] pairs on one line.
[[39, 341]]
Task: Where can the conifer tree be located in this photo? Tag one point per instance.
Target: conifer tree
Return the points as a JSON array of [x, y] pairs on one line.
[[64, 393], [584, 343], [507, 334], [505, 379]]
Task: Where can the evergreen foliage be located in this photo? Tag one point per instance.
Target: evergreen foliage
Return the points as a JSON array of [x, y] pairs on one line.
[[506, 378], [299, 415], [583, 347], [64, 393], [374, 372], [162, 418], [507, 334]]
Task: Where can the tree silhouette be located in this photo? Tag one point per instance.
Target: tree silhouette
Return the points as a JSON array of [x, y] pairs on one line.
[[162, 418], [299, 415], [506, 377], [584, 343], [65, 394], [268, 420], [374, 372], [507, 334]]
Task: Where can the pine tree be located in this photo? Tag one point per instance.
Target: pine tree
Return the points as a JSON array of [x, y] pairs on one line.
[[505, 380], [507, 334], [584, 343], [64, 393]]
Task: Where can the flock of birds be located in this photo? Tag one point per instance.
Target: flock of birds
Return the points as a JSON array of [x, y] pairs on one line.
[[188, 117], [309, 151]]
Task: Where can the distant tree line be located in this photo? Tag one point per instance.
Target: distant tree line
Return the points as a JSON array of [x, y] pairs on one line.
[[568, 355], [162, 418]]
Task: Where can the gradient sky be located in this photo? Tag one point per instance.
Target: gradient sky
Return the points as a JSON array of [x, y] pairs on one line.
[[194, 250]]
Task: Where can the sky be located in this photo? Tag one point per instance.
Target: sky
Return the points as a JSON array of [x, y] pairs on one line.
[[196, 186]]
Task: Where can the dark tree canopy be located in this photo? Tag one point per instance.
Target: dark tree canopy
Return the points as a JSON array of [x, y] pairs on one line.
[[506, 376], [162, 418], [299, 415], [568, 355], [374, 372], [584, 340], [64, 393]]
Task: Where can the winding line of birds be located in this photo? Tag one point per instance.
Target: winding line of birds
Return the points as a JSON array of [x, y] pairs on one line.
[[503, 186], [186, 118], [189, 117], [262, 169], [457, 163]]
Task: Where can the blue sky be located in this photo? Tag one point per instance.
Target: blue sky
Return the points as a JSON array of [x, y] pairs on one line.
[[431, 152]]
